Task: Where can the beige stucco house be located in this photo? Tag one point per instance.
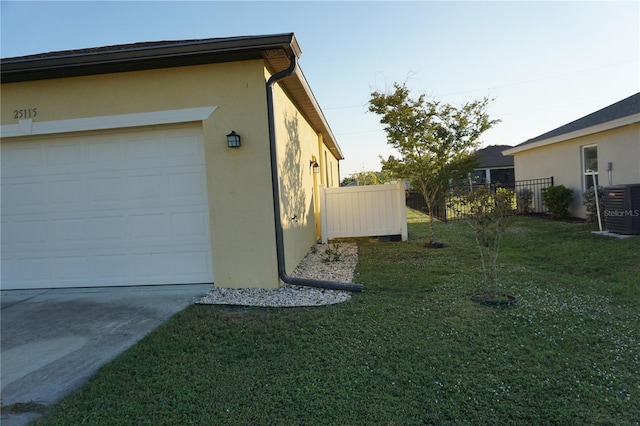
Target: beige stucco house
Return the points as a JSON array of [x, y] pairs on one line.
[[606, 142], [116, 169]]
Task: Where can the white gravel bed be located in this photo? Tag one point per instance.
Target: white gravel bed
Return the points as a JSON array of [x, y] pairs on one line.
[[314, 266]]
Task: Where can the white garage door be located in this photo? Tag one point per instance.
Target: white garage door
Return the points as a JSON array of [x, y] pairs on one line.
[[102, 210]]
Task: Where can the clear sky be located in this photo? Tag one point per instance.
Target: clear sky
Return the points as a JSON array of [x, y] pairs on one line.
[[545, 63]]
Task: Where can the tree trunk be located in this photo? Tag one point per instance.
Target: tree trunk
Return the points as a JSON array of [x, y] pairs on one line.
[[430, 207], [430, 226]]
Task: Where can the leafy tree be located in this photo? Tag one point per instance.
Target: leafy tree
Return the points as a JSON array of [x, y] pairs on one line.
[[367, 178], [435, 141]]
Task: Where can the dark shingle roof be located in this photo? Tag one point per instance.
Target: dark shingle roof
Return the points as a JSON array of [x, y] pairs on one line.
[[623, 108], [491, 156], [275, 49], [114, 48]]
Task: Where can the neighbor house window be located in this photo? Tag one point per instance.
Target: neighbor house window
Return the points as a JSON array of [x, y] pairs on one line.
[[590, 165], [478, 176]]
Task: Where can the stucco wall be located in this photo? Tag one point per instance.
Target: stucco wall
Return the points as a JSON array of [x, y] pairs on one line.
[[239, 191], [563, 161], [622, 148], [298, 144]]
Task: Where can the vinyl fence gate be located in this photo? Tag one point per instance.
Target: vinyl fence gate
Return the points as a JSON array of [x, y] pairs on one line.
[[363, 211]]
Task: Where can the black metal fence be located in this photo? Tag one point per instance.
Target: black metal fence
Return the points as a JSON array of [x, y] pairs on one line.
[[528, 199]]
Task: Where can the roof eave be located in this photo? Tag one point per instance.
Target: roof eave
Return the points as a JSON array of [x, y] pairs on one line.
[[172, 54], [317, 119], [276, 50], [609, 125]]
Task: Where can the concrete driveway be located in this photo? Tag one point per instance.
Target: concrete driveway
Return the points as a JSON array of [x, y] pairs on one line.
[[54, 340]]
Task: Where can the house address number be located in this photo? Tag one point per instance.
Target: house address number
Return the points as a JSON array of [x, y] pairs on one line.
[[19, 114]]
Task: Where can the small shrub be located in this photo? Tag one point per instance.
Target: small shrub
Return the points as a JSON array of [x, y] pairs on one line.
[[488, 214], [557, 198], [332, 253], [505, 199], [589, 201], [524, 198]]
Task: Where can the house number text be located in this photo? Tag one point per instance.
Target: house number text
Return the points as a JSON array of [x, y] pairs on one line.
[[19, 114]]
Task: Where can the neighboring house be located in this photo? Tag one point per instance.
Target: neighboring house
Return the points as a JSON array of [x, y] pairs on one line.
[[494, 167], [116, 169], [606, 142]]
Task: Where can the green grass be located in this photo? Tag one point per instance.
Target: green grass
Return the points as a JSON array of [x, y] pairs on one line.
[[411, 349], [415, 216]]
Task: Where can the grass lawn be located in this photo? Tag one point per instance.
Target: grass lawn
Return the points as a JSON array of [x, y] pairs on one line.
[[411, 349]]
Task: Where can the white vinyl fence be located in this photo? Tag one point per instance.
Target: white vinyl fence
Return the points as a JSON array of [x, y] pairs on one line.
[[363, 211]]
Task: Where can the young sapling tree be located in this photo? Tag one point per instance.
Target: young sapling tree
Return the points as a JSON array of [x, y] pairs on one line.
[[489, 214], [435, 142]]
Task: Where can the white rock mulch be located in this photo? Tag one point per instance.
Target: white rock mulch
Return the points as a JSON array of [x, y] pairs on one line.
[[313, 266]]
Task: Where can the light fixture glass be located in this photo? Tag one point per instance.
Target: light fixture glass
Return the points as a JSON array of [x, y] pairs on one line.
[[233, 140], [315, 165]]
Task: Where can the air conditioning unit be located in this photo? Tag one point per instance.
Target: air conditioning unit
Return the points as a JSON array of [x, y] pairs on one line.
[[622, 208]]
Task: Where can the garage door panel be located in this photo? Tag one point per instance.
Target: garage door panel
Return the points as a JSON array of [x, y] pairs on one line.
[[188, 225], [24, 160], [7, 269], [24, 193], [71, 268], [147, 186], [104, 190], [4, 235], [186, 148], [141, 151], [69, 230], [104, 229], [109, 268], [186, 185], [68, 193], [36, 270], [28, 234], [117, 209], [151, 266], [148, 226], [67, 157], [103, 154]]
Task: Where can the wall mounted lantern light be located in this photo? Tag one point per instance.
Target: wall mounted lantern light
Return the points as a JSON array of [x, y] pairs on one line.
[[315, 165], [233, 140]]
